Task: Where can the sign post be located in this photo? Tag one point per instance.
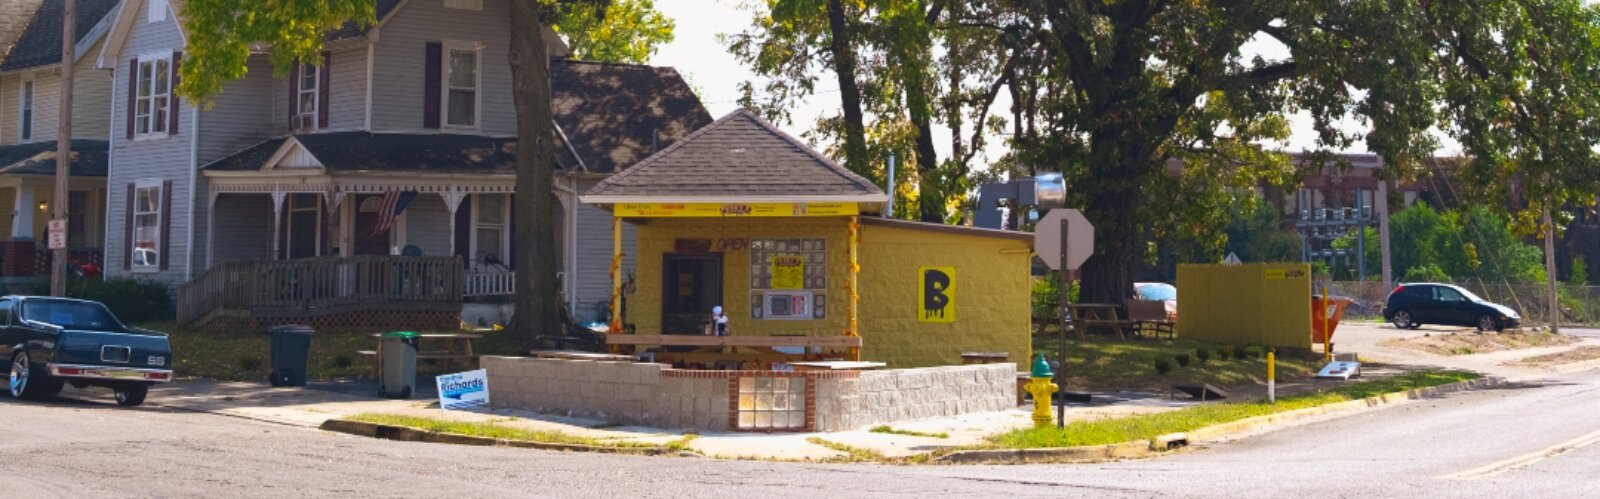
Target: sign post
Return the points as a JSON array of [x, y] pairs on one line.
[[1064, 239], [1065, 291]]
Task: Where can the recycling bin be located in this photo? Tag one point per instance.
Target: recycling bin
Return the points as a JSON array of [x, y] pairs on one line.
[[290, 351], [397, 359]]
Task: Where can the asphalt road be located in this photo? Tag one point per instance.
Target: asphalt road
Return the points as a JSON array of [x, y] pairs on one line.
[[91, 448]]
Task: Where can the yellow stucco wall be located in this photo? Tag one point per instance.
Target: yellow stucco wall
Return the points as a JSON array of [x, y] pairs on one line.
[[657, 237], [1263, 303], [992, 300]]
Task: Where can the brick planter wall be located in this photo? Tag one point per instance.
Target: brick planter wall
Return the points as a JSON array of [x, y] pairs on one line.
[[659, 396]]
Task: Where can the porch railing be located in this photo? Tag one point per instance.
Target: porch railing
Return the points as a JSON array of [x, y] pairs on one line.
[[480, 284], [321, 283]]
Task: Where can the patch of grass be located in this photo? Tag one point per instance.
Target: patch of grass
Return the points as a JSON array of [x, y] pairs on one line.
[[1149, 426], [894, 431], [487, 430], [1099, 363], [852, 454], [682, 443]]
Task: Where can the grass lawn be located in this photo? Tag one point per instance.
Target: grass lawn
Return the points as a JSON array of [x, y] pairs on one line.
[[1149, 426], [1102, 362], [245, 355], [492, 430]]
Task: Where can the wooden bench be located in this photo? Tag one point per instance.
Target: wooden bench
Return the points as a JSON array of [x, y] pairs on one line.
[[1151, 316]]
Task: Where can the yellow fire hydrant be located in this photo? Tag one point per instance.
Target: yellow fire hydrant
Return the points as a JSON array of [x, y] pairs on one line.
[[1042, 388]]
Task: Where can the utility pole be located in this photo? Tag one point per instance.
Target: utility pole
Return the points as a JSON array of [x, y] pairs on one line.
[[57, 235], [1383, 233], [1550, 270]]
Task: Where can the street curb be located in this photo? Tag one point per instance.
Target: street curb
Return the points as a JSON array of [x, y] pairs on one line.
[[1163, 443], [408, 434]]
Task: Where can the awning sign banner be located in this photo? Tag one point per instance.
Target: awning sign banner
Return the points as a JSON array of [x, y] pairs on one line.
[[718, 210], [788, 272], [938, 292]]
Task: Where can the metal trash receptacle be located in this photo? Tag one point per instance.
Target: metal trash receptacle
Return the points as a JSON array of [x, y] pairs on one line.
[[290, 354], [397, 356]]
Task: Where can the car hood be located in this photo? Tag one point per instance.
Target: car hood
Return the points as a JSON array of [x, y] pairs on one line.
[[1504, 310]]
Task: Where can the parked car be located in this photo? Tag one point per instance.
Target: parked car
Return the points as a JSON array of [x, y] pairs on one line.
[[1412, 305], [51, 342], [1162, 292]]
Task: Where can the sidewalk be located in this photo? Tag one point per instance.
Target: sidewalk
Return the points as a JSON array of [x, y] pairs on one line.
[[310, 407], [1365, 339]]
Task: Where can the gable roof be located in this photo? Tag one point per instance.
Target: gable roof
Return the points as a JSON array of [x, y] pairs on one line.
[[352, 30], [89, 158], [739, 157], [614, 115], [40, 44]]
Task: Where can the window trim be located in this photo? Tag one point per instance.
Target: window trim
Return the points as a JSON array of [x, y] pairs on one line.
[[316, 95], [150, 120], [141, 185], [450, 47], [27, 110], [504, 225]]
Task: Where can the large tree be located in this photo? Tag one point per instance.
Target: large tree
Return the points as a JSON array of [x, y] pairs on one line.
[[222, 34]]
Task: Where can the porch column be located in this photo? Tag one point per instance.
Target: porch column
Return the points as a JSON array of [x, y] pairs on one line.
[[22, 217], [851, 285], [452, 202], [211, 230], [616, 278], [277, 223], [334, 218]]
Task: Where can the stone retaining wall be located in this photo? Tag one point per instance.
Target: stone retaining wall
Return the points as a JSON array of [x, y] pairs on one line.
[[659, 396]]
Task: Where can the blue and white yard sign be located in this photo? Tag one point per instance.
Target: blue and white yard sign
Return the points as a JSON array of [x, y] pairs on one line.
[[463, 390]]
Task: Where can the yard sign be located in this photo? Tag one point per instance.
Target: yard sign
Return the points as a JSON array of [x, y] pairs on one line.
[[463, 390]]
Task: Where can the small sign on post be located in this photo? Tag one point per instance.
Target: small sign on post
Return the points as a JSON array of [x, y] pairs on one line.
[[463, 390], [58, 234]]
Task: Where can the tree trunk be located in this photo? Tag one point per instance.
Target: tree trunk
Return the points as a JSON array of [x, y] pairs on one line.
[[1117, 166], [844, 66], [536, 302]]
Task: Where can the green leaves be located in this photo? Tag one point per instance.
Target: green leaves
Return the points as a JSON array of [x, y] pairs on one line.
[[627, 31], [222, 34]]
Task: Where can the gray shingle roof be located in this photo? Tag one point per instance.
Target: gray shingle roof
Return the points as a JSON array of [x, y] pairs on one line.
[[40, 44], [365, 151], [740, 155], [89, 158]]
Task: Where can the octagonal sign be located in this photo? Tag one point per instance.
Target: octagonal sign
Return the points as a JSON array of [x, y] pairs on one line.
[[1047, 237]]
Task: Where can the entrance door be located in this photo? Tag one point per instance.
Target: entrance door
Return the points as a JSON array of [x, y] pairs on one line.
[[305, 225], [368, 243], [692, 284]]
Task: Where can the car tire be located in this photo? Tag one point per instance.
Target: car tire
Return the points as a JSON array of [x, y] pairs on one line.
[[1402, 320], [132, 395], [1488, 323], [24, 381]]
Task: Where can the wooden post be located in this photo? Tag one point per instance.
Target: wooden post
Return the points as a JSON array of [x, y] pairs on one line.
[[69, 38], [855, 296], [616, 280]]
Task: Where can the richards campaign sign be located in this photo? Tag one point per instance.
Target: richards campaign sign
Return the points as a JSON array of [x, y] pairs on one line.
[[463, 390]]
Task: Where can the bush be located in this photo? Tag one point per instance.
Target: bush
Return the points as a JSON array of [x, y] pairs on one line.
[[1182, 358], [1163, 365], [250, 364], [1224, 353], [1202, 355], [134, 301]]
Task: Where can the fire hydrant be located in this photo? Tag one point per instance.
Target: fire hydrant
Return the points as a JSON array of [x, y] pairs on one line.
[[1042, 388]]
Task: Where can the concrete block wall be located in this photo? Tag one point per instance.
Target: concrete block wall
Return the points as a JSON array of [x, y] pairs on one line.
[[878, 397]]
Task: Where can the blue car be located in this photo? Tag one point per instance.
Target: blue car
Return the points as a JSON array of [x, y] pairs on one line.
[[51, 342]]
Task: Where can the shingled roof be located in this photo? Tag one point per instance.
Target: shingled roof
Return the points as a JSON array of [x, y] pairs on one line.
[[740, 156], [89, 158], [40, 44]]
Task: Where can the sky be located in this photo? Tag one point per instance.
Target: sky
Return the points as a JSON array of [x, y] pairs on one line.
[[716, 74]]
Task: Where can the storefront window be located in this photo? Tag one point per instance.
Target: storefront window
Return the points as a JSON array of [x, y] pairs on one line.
[[788, 278]]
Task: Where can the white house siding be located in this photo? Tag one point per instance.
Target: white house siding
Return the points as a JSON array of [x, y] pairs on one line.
[[243, 228], [347, 98], [166, 158], [428, 225], [398, 64], [594, 257], [237, 118], [92, 92]]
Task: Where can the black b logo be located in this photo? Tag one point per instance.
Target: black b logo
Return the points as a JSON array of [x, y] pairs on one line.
[[934, 299]]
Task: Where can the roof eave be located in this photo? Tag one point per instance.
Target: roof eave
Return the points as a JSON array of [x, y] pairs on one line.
[[695, 199]]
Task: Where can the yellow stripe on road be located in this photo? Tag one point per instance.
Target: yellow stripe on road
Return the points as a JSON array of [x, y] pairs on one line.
[[1526, 460]]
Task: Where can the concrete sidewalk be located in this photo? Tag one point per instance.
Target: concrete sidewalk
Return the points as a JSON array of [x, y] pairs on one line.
[[311, 406]]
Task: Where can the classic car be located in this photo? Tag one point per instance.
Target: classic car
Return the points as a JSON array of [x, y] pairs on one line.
[[51, 342]]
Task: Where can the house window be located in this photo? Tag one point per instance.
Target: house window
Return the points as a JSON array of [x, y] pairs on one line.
[[464, 4], [461, 85], [77, 219], [26, 106], [307, 97], [155, 88], [147, 225], [491, 237], [157, 11], [772, 403]]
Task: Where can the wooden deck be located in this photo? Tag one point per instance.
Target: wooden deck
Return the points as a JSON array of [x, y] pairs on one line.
[[734, 341], [317, 287]]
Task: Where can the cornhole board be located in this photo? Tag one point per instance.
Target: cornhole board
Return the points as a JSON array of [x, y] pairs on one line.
[[1340, 369]]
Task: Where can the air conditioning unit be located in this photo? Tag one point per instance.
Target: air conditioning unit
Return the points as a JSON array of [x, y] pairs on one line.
[[303, 122]]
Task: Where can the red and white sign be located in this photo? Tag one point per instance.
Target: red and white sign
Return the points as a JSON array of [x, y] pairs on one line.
[[58, 234]]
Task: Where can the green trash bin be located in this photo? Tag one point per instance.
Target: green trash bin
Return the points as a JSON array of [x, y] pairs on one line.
[[290, 352], [397, 355]]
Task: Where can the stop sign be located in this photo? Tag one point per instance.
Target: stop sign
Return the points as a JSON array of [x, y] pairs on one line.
[[1047, 237]]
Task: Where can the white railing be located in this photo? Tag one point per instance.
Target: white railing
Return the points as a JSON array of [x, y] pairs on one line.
[[490, 284]]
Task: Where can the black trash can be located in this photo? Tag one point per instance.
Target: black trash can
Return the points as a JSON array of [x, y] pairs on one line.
[[291, 350]]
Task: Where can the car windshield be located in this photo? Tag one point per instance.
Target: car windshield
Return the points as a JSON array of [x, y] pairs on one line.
[[70, 314], [1156, 291]]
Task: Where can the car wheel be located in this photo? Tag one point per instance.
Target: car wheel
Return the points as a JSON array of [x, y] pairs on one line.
[[132, 395], [1402, 320], [25, 382], [1487, 323]]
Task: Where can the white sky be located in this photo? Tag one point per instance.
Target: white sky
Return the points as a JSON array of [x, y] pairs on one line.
[[715, 74]]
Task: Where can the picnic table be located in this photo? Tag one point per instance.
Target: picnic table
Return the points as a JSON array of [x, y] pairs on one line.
[[447, 346], [1104, 315]]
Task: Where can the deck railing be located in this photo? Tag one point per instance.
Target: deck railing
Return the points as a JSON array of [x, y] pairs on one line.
[[321, 283], [480, 284]]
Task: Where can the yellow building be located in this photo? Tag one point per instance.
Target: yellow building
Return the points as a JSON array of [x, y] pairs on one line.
[[744, 217]]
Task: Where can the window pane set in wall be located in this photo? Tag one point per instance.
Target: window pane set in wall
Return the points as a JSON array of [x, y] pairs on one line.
[[462, 93], [772, 403]]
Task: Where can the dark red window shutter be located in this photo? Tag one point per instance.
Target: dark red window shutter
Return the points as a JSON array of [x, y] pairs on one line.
[[166, 224], [172, 96], [294, 94], [432, 84], [323, 82], [133, 94], [127, 231], [464, 231]]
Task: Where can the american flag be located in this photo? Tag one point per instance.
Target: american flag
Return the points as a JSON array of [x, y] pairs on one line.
[[394, 203]]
